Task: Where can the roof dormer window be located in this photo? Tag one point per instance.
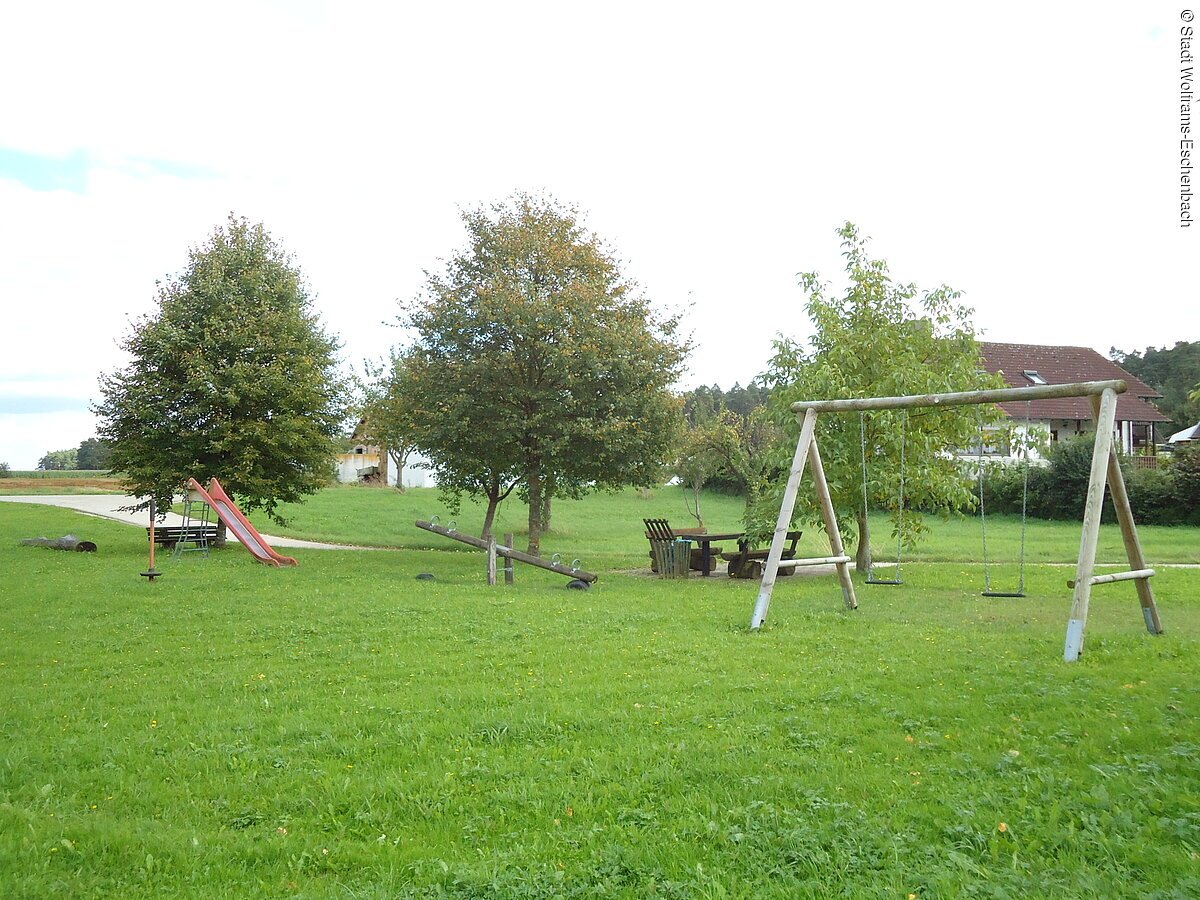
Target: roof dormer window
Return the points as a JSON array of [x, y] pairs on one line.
[[1034, 377]]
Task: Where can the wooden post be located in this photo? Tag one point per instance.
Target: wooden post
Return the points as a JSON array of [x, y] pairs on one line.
[[491, 561], [1129, 535], [152, 572], [1106, 415], [831, 526], [784, 522], [508, 563]]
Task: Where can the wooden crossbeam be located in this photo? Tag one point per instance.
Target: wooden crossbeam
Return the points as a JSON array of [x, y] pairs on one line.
[[1133, 575], [813, 561], [965, 398]]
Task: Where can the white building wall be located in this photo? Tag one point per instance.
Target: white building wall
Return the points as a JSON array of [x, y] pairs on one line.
[[414, 475]]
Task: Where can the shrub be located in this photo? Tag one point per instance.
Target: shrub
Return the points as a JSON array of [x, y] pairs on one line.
[[1004, 485], [5, 471], [1154, 498]]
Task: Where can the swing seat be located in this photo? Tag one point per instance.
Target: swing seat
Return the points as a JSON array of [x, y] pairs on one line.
[[1001, 593], [883, 581]]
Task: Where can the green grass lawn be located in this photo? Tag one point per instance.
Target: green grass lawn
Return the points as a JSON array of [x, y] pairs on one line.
[[342, 729]]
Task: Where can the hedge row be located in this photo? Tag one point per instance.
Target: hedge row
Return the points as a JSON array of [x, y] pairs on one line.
[[1169, 495]]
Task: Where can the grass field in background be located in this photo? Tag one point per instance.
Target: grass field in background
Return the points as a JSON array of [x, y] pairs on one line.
[[61, 481], [343, 729]]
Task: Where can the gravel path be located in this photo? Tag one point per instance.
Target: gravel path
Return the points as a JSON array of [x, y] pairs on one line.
[[107, 506]]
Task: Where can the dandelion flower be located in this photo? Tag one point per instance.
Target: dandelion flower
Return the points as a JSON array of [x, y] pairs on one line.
[[1002, 828]]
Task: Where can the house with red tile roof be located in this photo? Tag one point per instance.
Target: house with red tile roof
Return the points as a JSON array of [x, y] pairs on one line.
[[1022, 365]]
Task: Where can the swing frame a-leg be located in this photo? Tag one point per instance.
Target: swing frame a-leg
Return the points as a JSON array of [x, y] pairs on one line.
[[1105, 471]]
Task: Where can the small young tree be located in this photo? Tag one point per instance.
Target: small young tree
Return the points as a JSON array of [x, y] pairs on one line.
[[705, 449], [5, 471], [388, 414], [876, 339], [231, 376]]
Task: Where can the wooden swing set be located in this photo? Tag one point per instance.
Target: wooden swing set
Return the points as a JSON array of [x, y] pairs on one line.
[[1105, 469]]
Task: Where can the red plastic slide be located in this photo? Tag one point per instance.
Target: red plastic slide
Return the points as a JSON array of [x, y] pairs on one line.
[[237, 522]]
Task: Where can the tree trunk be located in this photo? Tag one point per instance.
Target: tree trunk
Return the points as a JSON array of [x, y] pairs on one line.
[[489, 518], [222, 535], [862, 553], [399, 460], [534, 482], [547, 501], [696, 514]]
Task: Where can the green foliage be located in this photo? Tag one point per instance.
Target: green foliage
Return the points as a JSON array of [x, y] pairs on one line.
[[708, 442], [5, 471], [877, 339], [1185, 473], [536, 365], [1169, 495], [58, 460], [387, 415], [726, 450], [232, 376], [1175, 372], [93, 454], [706, 401]]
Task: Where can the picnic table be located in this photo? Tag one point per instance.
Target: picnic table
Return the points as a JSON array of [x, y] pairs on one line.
[[742, 564]]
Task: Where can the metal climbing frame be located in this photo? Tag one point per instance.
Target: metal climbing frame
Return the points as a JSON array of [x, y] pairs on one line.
[[197, 516], [1105, 469]]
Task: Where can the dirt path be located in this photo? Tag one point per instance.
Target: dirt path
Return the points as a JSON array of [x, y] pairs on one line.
[[107, 506]]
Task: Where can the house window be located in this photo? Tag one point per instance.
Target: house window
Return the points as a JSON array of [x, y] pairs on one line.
[[992, 442], [1034, 377]]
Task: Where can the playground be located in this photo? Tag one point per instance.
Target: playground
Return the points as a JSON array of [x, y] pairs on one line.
[[341, 726]]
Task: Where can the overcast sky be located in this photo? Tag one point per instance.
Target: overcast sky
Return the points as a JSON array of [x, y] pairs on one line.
[[1027, 154]]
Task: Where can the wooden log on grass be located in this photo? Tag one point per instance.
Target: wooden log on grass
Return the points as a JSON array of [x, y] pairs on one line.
[[66, 542]]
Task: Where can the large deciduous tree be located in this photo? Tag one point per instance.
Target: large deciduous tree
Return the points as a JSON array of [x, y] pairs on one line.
[[92, 454], [879, 339], [537, 366], [231, 375]]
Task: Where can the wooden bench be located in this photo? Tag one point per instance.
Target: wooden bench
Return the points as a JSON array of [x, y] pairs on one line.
[[660, 530], [748, 563], [170, 535]]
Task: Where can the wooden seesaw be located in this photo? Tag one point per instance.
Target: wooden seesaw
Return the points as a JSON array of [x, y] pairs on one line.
[[494, 550]]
